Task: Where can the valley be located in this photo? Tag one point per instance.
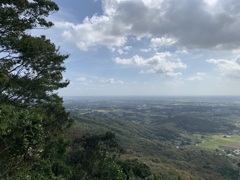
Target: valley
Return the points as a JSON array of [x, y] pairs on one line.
[[175, 136]]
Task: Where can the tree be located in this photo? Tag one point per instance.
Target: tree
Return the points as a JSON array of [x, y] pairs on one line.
[[98, 157], [32, 116], [133, 168], [21, 140], [30, 67], [94, 157]]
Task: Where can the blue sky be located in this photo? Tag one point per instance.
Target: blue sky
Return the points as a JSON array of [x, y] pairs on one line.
[[149, 47]]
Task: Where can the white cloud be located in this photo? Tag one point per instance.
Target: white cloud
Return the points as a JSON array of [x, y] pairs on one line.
[[124, 50], [81, 79], [163, 41], [111, 81], [183, 51], [67, 35], [228, 68], [160, 63], [197, 77], [190, 23], [92, 32], [84, 81], [135, 60], [146, 50]]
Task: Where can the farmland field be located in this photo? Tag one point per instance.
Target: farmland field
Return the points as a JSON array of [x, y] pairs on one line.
[[220, 142]]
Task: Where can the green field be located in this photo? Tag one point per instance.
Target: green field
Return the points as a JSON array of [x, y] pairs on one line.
[[219, 142]]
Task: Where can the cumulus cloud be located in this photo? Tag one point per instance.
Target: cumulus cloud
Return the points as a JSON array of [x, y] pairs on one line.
[[213, 24], [160, 63], [228, 68], [197, 77], [95, 31]]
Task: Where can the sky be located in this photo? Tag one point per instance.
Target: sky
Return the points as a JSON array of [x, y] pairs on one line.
[[149, 47]]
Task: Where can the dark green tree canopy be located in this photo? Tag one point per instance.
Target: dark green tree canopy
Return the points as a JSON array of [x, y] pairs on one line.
[[30, 67], [20, 15], [32, 116]]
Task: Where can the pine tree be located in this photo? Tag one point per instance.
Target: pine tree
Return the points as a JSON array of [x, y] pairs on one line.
[[32, 116]]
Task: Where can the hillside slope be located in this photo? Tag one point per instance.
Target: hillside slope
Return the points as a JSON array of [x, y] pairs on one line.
[[156, 146]]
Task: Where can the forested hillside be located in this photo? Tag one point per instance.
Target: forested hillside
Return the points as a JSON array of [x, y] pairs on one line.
[[156, 147]]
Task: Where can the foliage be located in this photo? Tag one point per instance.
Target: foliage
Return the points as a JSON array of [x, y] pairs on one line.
[[94, 157], [30, 67], [21, 140], [133, 168], [32, 117], [98, 157], [30, 143], [195, 124], [156, 148]]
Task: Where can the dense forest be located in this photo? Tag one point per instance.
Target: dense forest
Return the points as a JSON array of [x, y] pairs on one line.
[[39, 139]]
